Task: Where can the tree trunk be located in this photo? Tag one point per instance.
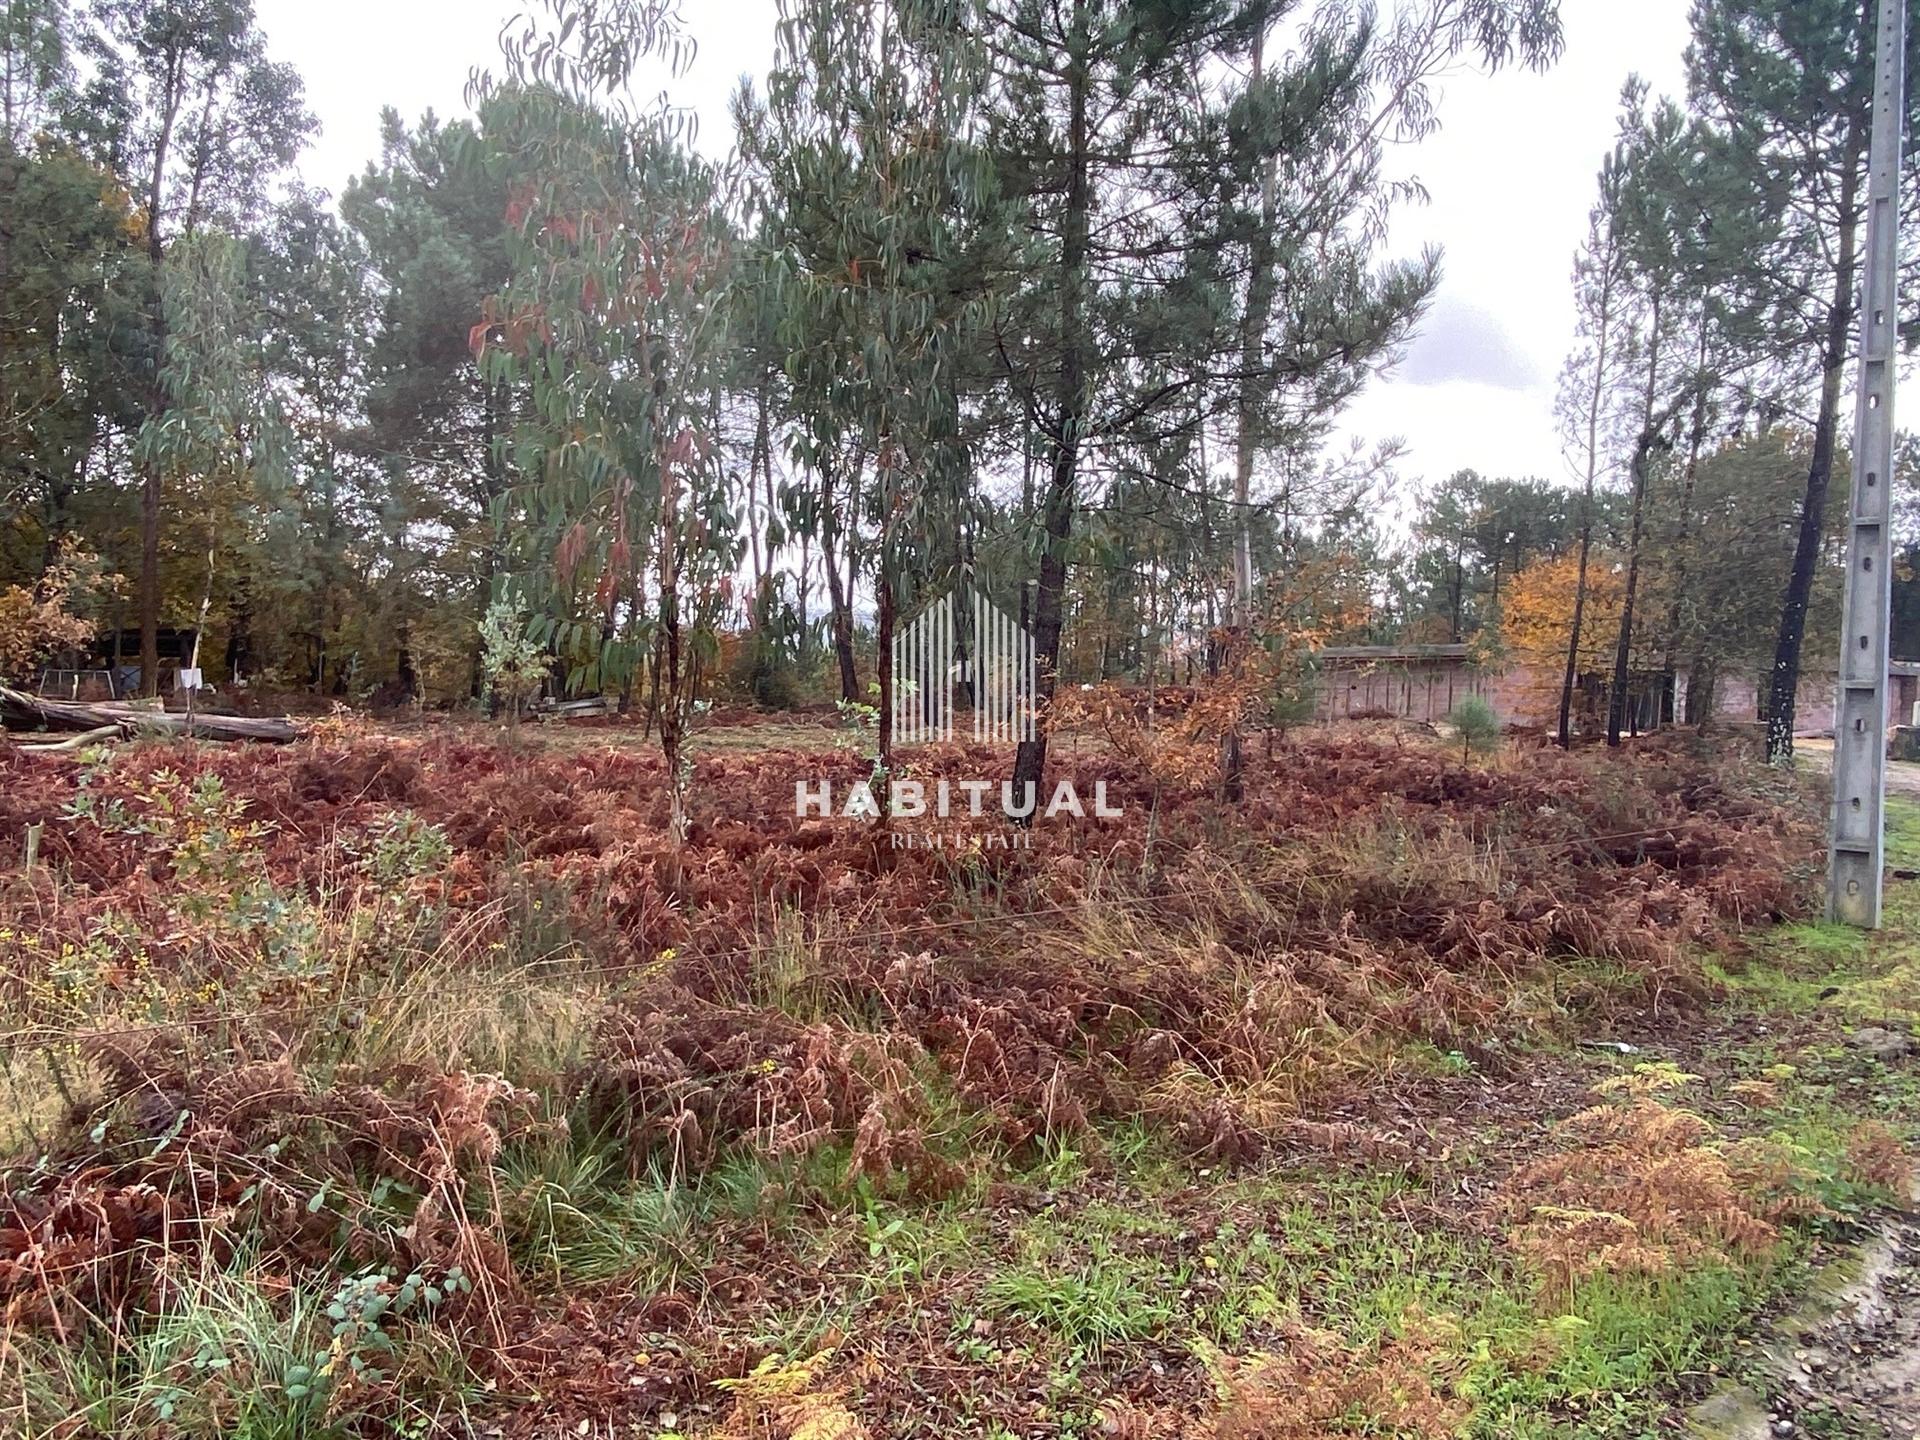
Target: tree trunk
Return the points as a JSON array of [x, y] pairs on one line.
[[1702, 683], [966, 644], [1784, 687], [1618, 716], [670, 682], [1586, 502], [239, 655], [1579, 618], [1253, 330], [630, 629], [761, 456], [1696, 438], [839, 586], [150, 495], [1253, 387], [883, 666], [149, 598], [1030, 760], [406, 677], [492, 484]]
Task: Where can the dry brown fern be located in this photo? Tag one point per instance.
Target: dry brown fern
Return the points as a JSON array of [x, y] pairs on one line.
[[1321, 1386], [1642, 1187]]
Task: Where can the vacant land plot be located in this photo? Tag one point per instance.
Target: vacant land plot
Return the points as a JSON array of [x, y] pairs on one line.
[[415, 1085]]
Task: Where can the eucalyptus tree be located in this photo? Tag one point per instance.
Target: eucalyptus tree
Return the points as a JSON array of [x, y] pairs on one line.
[[36, 78], [877, 216], [1788, 85], [614, 316], [221, 437], [36, 68], [328, 502], [63, 380], [64, 222]]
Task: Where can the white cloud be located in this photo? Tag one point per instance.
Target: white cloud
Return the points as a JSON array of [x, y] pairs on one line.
[[1463, 425], [1458, 341]]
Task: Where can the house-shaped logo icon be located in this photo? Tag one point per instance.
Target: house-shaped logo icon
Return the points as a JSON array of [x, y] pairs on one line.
[[962, 649]]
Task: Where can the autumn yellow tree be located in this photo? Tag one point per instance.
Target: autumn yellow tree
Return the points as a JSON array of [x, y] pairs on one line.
[[38, 622], [1537, 617]]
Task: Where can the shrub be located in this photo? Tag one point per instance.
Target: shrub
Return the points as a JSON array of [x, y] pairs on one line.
[[1323, 1383], [38, 623], [1642, 1187], [516, 667], [1477, 727], [766, 673]]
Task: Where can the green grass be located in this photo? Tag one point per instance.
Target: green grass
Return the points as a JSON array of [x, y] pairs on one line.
[[1105, 1300], [228, 1356], [1339, 1253], [571, 1217], [1604, 1367], [1857, 976], [1903, 832]]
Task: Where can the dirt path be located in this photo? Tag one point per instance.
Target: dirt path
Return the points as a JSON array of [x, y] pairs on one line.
[[1903, 776], [1846, 1361]]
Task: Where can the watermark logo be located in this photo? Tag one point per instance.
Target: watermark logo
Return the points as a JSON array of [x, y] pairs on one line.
[[963, 647], [912, 799], [960, 655]]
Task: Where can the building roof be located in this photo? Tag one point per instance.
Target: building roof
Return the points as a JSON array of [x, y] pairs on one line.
[[1395, 652]]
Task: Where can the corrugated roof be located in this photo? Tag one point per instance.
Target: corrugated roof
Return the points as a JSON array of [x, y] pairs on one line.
[[1394, 652]]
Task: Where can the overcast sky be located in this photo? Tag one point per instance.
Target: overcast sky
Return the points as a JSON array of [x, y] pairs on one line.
[[1511, 176]]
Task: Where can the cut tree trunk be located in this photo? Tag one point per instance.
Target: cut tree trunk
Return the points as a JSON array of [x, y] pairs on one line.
[[23, 711]]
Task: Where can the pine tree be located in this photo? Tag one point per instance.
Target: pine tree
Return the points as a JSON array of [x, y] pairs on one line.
[[185, 103], [877, 216], [429, 214], [1788, 84], [1585, 387]]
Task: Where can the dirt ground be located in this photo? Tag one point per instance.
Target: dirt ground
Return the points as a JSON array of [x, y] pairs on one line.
[[1845, 1359], [1903, 776]]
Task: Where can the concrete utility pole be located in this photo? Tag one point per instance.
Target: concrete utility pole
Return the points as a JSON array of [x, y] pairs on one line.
[[1855, 857]]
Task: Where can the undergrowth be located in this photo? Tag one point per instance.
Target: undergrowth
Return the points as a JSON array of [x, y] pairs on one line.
[[805, 1134]]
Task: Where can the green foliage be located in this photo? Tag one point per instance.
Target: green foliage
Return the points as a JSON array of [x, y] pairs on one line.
[[514, 663], [572, 1216], [400, 846], [221, 884], [362, 1310], [768, 666], [226, 1356], [1476, 725], [1104, 1301], [1472, 536]]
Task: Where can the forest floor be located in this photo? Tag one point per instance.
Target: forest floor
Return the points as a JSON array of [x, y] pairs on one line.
[[410, 1084]]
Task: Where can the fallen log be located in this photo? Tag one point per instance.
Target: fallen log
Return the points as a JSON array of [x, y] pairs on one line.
[[21, 710], [75, 742]]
